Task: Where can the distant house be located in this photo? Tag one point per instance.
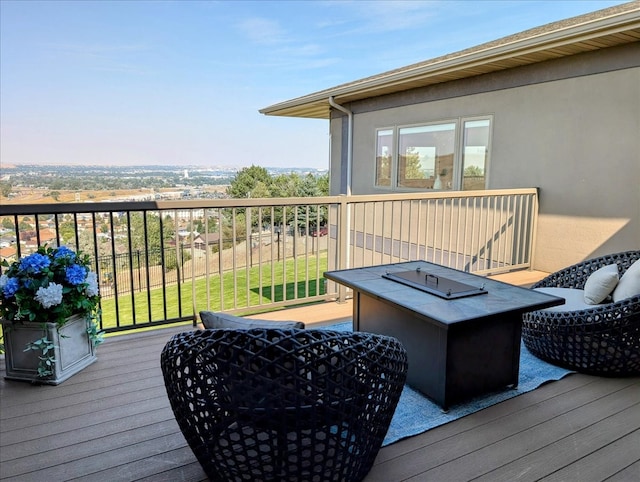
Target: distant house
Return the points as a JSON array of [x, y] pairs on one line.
[[556, 107], [206, 239], [30, 238], [8, 254]]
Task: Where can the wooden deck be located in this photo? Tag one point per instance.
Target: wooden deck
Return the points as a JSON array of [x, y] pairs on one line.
[[112, 422]]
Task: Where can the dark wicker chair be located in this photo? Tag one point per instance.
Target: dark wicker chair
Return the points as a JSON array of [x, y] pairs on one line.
[[603, 340], [284, 405]]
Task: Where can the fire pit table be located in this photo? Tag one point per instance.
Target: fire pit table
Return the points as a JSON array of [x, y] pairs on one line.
[[461, 331]]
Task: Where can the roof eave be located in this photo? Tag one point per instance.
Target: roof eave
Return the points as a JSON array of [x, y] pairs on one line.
[[317, 106]]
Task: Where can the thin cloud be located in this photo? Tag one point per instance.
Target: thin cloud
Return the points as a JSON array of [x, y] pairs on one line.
[[112, 58], [262, 31], [285, 51], [375, 16]]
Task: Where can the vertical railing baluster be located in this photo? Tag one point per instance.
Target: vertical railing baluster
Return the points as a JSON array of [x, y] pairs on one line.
[[193, 265], [283, 233], [130, 255], [247, 253], [260, 281], [450, 210], [474, 251], [147, 264], [428, 231], [466, 253], [221, 217], [234, 253], [163, 265], [518, 233], [458, 234], [114, 278]]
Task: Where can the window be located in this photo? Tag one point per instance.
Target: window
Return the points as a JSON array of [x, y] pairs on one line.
[[425, 157], [384, 149], [441, 156], [475, 150]]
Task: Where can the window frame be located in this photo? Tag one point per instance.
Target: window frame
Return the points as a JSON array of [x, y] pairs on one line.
[[457, 180], [392, 170], [461, 142]]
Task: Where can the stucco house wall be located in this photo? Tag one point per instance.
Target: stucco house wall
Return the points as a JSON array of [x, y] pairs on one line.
[[570, 127]]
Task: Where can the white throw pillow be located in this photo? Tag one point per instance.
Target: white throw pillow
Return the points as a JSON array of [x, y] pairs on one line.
[[629, 284], [600, 284]]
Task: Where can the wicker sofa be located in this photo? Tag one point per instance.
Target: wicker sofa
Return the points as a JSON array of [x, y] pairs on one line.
[[602, 340]]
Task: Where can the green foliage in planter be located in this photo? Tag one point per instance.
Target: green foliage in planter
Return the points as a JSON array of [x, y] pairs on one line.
[[47, 358]]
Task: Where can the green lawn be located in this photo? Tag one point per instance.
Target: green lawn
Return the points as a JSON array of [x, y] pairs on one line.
[[213, 293]]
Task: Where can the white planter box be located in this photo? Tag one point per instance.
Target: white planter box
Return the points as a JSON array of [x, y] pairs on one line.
[[74, 350]]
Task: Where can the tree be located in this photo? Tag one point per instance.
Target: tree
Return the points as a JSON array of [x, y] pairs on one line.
[[255, 182], [307, 187], [7, 223], [473, 171], [5, 188], [286, 185], [412, 168], [150, 225], [260, 190], [323, 184], [68, 231], [25, 224], [246, 180]]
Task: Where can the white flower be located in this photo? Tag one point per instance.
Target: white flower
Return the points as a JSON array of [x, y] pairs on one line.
[[3, 281], [92, 284], [49, 296]]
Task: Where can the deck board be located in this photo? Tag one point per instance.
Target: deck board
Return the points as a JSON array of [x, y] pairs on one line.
[[590, 466], [113, 422], [518, 441], [625, 474]]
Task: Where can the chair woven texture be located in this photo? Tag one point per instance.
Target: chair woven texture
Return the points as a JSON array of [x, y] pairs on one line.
[[603, 340], [284, 404]]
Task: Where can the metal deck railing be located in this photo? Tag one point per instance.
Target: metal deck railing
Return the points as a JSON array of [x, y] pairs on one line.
[[162, 262]]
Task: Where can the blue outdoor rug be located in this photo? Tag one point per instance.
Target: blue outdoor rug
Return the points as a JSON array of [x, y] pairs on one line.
[[416, 413]]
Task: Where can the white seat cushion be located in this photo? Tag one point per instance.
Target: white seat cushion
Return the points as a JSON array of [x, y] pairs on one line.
[[574, 299]]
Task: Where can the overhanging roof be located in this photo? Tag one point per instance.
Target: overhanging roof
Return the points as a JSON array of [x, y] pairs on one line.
[[597, 30]]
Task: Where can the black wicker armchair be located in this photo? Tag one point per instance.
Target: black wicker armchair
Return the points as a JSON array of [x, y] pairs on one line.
[[284, 405], [603, 340]]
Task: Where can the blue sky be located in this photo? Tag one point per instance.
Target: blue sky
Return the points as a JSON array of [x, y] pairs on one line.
[[181, 82]]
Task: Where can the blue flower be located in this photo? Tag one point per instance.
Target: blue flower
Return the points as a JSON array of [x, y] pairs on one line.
[[76, 274], [10, 287], [34, 263], [64, 252]]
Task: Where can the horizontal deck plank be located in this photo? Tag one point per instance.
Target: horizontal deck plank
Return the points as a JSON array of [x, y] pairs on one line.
[[543, 448], [625, 474], [591, 466]]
